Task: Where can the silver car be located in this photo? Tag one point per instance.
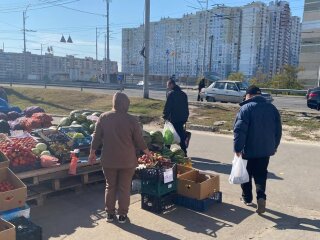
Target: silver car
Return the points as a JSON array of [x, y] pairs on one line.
[[228, 91]]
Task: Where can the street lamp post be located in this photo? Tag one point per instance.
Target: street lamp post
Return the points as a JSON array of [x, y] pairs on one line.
[[147, 49], [210, 60]]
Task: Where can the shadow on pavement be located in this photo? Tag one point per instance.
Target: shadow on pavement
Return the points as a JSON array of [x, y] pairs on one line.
[[284, 222], [220, 216], [63, 213], [144, 232], [219, 167]]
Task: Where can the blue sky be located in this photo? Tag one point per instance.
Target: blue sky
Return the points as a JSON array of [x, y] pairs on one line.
[[50, 19]]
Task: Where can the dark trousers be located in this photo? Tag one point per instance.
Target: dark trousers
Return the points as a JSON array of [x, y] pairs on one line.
[[179, 127], [257, 169], [199, 97]]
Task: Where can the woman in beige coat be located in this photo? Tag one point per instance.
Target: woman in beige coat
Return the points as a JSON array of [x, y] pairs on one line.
[[120, 135]]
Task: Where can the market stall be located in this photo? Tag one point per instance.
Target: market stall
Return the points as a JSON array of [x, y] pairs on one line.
[[47, 159]]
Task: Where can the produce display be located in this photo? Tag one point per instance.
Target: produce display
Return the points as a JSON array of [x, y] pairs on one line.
[[61, 151], [156, 142], [6, 186], [80, 137], [81, 118], [19, 151], [53, 135], [31, 118], [41, 149], [156, 157]]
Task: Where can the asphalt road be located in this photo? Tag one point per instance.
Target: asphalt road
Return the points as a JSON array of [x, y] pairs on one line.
[[293, 200], [291, 103]]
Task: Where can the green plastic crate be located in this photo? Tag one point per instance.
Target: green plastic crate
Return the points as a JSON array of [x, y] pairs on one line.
[[159, 188]]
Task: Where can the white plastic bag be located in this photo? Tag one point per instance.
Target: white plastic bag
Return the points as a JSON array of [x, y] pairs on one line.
[[239, 173], [168, 126]]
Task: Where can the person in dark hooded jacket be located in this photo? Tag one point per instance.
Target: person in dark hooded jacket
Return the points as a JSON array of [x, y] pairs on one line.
[[176, 110], [257, 135]]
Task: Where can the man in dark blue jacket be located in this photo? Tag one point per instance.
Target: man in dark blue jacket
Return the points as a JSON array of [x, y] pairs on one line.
[[257, 135], [176, 110]]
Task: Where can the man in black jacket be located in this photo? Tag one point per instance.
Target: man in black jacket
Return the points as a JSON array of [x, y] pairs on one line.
[[176, 110], [257, 134]]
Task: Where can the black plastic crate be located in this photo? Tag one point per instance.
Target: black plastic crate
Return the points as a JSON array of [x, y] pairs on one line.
[[156, 173], [26, 230], [158, 189], [157, 204], [198, 205]]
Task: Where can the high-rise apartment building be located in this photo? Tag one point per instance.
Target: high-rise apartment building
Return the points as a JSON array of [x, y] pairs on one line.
[[254, 39], [177, 45], [247, 39], [310, 44], [279, 37], [295, 40]]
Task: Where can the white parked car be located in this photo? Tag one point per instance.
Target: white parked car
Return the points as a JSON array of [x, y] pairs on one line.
[[228, 91], [141, 83]]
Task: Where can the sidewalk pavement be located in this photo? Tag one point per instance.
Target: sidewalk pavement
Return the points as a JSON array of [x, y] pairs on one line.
[[293, 204]]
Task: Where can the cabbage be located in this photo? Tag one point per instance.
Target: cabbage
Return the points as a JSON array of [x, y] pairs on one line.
[[168, 137], [178, 152], [157, 138], [45, 153], [41, 146]]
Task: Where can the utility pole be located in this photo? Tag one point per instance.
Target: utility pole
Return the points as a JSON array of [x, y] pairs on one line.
[[97, 53], [108, 37], [147, 47], [24, 32], [105, 57], [205, 38], [210, 61]]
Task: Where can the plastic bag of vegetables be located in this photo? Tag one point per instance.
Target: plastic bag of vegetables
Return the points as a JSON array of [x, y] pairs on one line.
[[170, 135]]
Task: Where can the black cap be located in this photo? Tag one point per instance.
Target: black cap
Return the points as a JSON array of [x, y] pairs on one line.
[[253, 90]]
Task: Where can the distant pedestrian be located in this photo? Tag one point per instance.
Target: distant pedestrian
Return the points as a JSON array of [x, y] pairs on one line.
[[201, 85], [176, 110], [120, 134], [257, 135]]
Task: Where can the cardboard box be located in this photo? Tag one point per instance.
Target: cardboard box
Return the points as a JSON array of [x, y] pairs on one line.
[[16, 197], [15, 213], [4, 161], [7, 230], [182, 170], [198, 185]]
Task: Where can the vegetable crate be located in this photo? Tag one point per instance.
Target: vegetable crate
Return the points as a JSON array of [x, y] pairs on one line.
[[198, 205], [26, 230], [157, 204], [157, 173], [51, 135], [77, 142], [158, 189], [160, 179]]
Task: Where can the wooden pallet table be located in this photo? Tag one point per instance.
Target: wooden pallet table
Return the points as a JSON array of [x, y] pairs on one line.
[[45, 181]]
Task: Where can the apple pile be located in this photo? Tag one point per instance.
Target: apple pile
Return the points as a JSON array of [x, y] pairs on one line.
[[19, 151], [6, 186]]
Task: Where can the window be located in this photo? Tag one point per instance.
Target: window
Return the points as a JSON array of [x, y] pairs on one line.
[[232, 86], [219, 85]]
